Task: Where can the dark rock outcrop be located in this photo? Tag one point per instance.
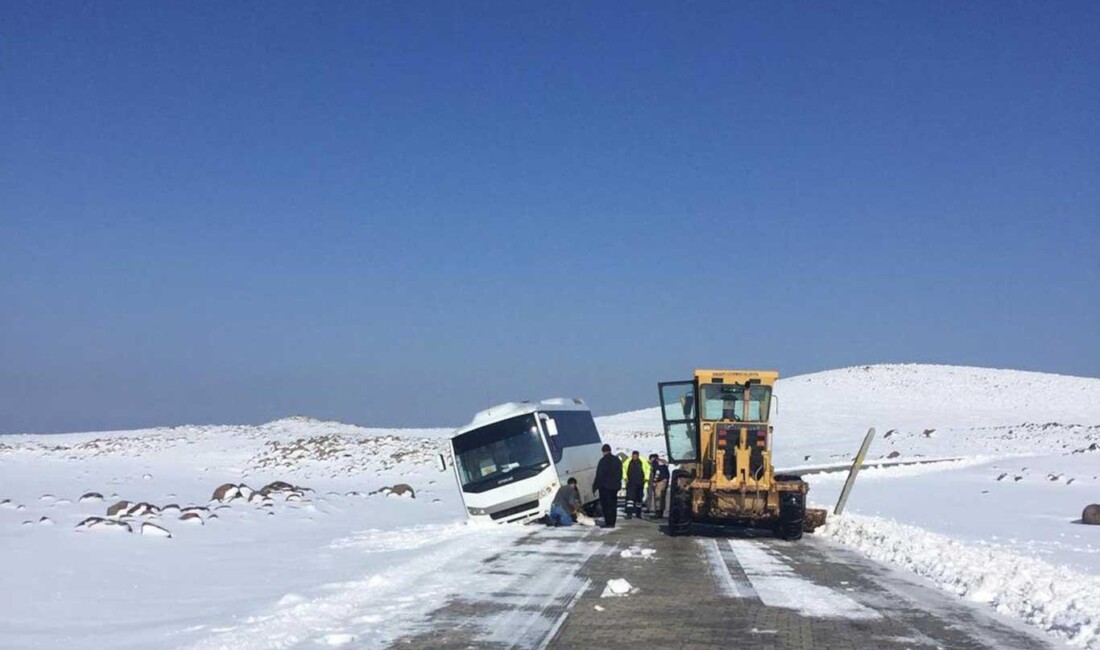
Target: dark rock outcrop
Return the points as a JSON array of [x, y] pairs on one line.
[[277, 486], [402, 489], [118, 509], [225, 492]]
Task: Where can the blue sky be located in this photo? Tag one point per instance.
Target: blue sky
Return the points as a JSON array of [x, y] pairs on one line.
[[396, 213]]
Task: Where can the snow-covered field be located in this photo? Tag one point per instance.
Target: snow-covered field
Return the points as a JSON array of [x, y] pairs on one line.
[[337, 559], [265, 573]]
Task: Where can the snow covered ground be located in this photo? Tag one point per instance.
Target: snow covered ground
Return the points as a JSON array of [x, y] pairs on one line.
[[294, 567], [335, 562]]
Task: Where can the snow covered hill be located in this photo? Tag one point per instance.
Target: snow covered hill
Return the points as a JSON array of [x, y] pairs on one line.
[[285, 566], [828, 412]]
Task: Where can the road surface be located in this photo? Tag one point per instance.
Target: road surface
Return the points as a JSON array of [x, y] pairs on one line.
[[704, 592]]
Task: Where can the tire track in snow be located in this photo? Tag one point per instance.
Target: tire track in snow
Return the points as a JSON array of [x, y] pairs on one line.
[[719, 559], [520, 598], [778, 585], [543, 591], [376, 608]]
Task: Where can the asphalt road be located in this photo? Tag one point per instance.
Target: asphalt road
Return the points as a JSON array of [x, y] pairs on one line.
[[708, 591]]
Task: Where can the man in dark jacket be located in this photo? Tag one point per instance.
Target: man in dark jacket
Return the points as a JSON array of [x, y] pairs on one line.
[[609, 479], [635, 485]]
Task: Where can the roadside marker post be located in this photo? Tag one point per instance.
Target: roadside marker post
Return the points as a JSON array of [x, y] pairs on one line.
[[854, 471]]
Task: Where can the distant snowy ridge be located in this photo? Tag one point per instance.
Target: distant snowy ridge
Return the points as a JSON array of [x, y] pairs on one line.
[[1056, 599], [918, 396]]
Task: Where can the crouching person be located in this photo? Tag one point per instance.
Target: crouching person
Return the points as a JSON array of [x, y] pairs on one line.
[[566, 507]]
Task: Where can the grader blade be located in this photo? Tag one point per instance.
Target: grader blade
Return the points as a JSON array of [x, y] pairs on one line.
[[814, 519]]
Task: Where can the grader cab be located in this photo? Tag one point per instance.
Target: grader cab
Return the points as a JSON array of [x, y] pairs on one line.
[[717, 430]]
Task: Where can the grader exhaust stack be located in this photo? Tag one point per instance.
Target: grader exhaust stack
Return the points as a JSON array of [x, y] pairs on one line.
[[717, 430]]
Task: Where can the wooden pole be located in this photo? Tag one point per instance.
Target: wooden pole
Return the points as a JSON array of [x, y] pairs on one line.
[[856, 464]]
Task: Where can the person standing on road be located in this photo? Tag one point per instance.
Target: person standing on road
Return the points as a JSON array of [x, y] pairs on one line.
[[636, 472], [608, 482], [658, 485]]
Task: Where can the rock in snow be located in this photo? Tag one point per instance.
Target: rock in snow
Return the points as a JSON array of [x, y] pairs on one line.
[[118, 508], [154, 530], [91, 497], [225, 492], [1091, 514], [401, 489], [99, 523], [142, 509], [276, 486]]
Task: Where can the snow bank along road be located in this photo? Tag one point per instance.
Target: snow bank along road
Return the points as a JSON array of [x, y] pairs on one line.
[[591, 588]]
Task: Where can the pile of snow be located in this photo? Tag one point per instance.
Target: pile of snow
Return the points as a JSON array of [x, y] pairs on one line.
[[617, 587], [1062, 602], [639, 552]]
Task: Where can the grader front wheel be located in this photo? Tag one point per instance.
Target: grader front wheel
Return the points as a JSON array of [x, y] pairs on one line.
[[792, 510], [679, 506]]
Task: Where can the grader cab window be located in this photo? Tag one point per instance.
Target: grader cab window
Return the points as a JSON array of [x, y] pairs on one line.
[[678, 414], [727, 402], [678, 401]]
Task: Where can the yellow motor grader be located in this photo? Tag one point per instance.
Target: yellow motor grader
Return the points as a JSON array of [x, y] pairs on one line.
[[717, 432]]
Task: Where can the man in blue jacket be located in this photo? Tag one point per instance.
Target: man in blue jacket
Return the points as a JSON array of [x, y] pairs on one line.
[[608, 482]]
